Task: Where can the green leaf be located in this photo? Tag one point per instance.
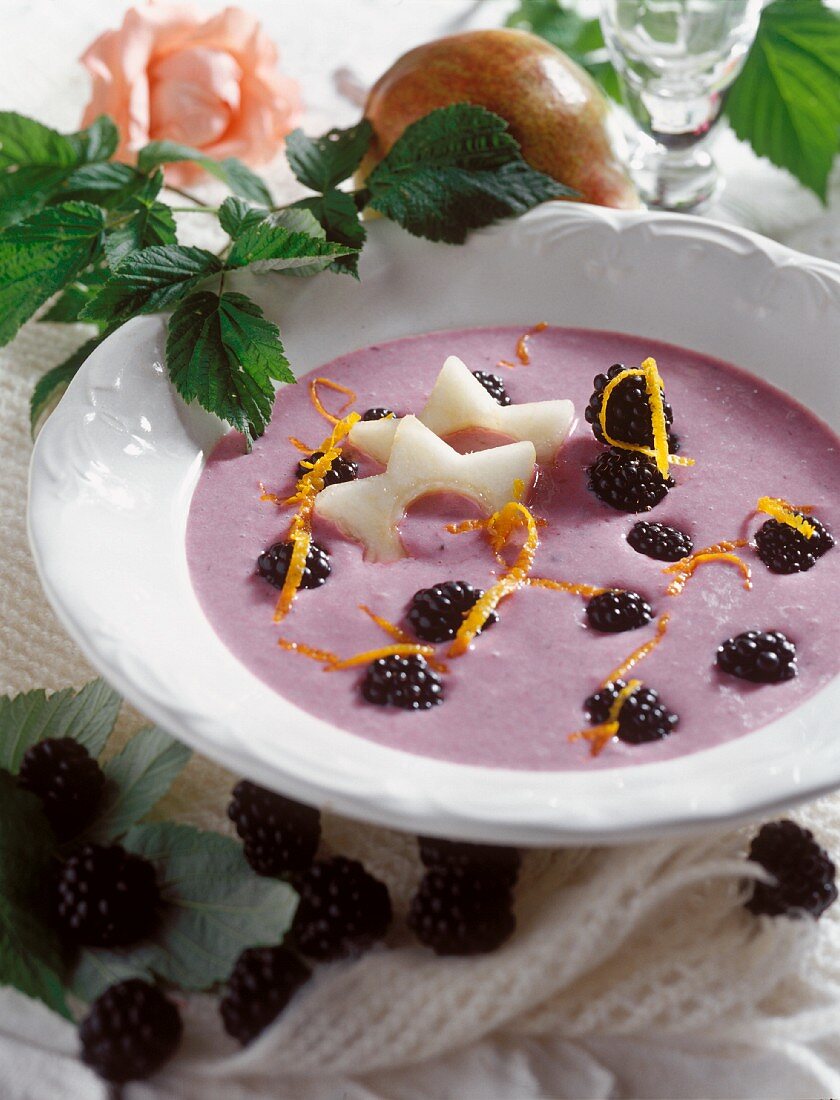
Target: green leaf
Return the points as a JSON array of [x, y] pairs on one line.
[[232, 172], [35, 161], [105, 184], [50, 388], [149, 280], [152, 223], [88, 716], [456, 169], [785, 102], [39, 256], [338, 215], [66, 308], [324, 162], [136, 779], [236, 215], [215, 907], [30, 956], [274, 245], [223, 353]]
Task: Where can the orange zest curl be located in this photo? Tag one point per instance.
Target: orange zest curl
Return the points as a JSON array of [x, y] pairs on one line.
[[600, 736], [332, 662], [500, 527], [328, 383], [522, 352], [399, 635], [300, 528], [684, 569], [640, 653], [784, 512], [585, 590], [299, 445], [654, 386]]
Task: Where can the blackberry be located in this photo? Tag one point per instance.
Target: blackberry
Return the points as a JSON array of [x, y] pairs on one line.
[[406, 682], [273, 564], [494, 385], [461, 911], [783, 549], [501, 862], [342, 911], [129, 1032], [341, 469], [106, 897], [758, 656], [69, 782], [262, 983], [627, 481], [803, 872], [643, 716], [437, 613], [280, 836], [377, 413], [616, 611], [659, 542], [628, 409]]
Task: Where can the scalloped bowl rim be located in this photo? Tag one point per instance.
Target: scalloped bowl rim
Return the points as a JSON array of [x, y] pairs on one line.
[[101, 466]]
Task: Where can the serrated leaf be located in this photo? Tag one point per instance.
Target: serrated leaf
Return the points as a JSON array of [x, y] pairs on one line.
[[106, 184], [271, 245], [88, 716], [785, 102], [66, 308], [224, 354], [232, 172], [338, 215], [135, 780], [39, 256], [98, 142], [49, 389], [444, 204], [30, 956], [149, 280], [215, 907], [235, 215], [152, 223], [35, 161], [322, 163]]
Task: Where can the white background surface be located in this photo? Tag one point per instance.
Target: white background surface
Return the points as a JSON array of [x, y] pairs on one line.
[[672, 1047]]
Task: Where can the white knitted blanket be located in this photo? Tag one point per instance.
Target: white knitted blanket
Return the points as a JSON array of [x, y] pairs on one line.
[[634, 972]]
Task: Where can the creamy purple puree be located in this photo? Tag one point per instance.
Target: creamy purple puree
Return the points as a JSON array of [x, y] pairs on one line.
[[515, 697]]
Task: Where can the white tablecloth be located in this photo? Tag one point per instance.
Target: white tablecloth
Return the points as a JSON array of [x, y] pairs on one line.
[[675, 993]]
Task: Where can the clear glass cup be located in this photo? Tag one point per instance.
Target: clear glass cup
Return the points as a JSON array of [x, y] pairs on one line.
[[675, 60]]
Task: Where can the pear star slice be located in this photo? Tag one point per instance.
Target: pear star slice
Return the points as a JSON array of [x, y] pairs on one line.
[[369, 510], [459, 401]]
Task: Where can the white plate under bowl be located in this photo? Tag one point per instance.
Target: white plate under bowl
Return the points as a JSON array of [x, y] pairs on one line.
[[115, 466]]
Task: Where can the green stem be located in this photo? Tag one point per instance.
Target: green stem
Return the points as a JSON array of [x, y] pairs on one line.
[[184, 194], [194, 209]]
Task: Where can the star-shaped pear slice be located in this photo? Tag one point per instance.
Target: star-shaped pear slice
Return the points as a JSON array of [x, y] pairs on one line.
[[458, 401], [370, 509]]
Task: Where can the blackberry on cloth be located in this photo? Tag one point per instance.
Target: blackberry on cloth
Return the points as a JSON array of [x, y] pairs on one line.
[[280, 836]]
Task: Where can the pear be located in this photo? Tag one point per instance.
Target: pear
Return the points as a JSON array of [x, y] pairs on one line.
[[554, 109]]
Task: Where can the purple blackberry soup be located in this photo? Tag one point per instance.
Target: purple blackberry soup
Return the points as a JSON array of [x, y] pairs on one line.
[[516, 696]]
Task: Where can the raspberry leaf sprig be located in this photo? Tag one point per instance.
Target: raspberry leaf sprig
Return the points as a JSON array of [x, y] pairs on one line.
[[96, 236]]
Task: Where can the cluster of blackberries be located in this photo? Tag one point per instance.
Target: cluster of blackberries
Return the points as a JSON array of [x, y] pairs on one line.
[[435, 615], [464, 904], [759, 656], [626, 480], [784, 549]]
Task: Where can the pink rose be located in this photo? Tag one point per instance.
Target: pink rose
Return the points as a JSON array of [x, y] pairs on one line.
[[169, 74]]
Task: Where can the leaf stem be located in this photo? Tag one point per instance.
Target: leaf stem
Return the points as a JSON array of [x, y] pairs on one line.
[[184, 194], [194, 209]]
